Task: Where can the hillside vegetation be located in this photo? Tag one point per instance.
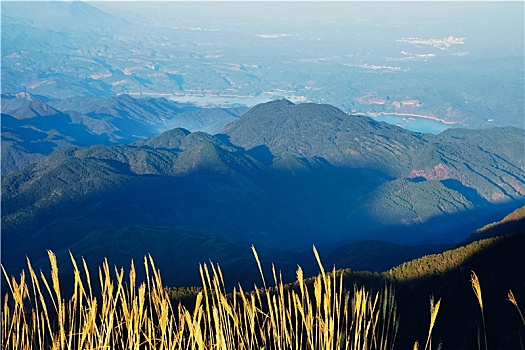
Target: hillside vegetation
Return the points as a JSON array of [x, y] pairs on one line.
[[333, 310], [282, 177], [34, 126], [498, 261]]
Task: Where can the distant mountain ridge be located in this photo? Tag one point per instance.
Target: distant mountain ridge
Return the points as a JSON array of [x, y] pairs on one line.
[[281, 177], [62, 49], [69, 16], [33, 126]]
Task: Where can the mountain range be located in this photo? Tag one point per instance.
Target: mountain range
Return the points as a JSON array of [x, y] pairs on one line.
[[195, 132], [34, 126], [281, 177], [191, 52]]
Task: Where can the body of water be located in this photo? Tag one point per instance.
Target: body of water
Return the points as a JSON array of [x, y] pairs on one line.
[[417, 124]]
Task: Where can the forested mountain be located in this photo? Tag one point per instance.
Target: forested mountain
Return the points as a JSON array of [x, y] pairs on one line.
[[181, 133], [34, 126], [282, 177]]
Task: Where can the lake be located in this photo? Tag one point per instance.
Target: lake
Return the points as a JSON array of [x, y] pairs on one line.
[[418, 124]]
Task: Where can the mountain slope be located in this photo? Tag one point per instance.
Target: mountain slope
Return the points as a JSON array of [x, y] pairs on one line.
[[489, 160], [429, 171], [513, 222], [376, 255], [61, 16], [276, 195], [311, 130], [32, 128], [498, 262]]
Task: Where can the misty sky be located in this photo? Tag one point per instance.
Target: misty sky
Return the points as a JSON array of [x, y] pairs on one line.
[[504, 12], [494, 21]]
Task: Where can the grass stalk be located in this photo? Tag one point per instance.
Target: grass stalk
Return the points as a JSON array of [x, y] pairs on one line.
[[434, 309], [512, 299], [476, 287], [129, 315]]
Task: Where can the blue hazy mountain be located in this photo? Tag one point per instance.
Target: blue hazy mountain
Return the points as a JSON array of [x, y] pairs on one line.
[[445, 62], [33, 126], [312, 174], [63, 17]]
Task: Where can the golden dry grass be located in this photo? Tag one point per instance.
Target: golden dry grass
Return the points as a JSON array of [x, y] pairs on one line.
[[434, 309], [126, 314], [131, 315], [476, 287], [514, 302]]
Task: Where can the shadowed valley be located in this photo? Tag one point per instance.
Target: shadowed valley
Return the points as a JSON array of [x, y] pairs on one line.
[[312, 174]]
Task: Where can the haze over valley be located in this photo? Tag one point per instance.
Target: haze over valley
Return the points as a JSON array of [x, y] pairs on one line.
[[371, 58]]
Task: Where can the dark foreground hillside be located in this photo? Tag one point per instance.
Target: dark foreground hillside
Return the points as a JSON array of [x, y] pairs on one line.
[[342, 309], [498, 262], [497, 259], [496, 254]]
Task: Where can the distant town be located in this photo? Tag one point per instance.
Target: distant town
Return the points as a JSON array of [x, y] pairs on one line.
[[441, 44]]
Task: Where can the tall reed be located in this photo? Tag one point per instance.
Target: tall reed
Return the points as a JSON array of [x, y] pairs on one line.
[[434, 309], [477, 291], [512, 299], [127, 314]]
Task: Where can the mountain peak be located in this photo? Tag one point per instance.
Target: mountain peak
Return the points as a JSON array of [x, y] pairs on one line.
[[170, 139], [33, 108], [60, 15], [309, 130], [272, 106], [276, 103]]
